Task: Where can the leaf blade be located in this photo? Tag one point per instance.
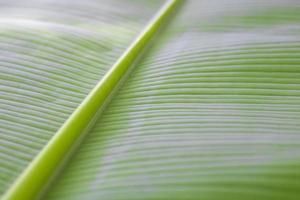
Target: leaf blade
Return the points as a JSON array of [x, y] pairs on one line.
[[205, 115]]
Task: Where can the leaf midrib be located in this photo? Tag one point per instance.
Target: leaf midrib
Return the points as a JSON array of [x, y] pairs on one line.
[[36, 176]]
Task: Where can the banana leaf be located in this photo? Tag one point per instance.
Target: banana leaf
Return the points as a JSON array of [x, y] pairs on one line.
[[208, 108]]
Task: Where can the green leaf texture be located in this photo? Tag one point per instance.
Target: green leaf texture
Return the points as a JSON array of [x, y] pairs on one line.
[[211, 110], [52, 55], [207, 114]]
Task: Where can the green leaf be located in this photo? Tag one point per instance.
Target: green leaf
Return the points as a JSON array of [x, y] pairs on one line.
[[211, 111], [50, 61]]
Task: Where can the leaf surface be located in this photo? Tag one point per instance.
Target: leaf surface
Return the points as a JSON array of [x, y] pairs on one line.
[[52, 55], [211, 111]]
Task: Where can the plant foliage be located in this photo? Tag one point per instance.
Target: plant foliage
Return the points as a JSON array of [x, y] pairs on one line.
[[211, 109]]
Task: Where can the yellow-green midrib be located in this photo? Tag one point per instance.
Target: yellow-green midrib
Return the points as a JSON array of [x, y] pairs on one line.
[[49, 64], [205, 115]]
